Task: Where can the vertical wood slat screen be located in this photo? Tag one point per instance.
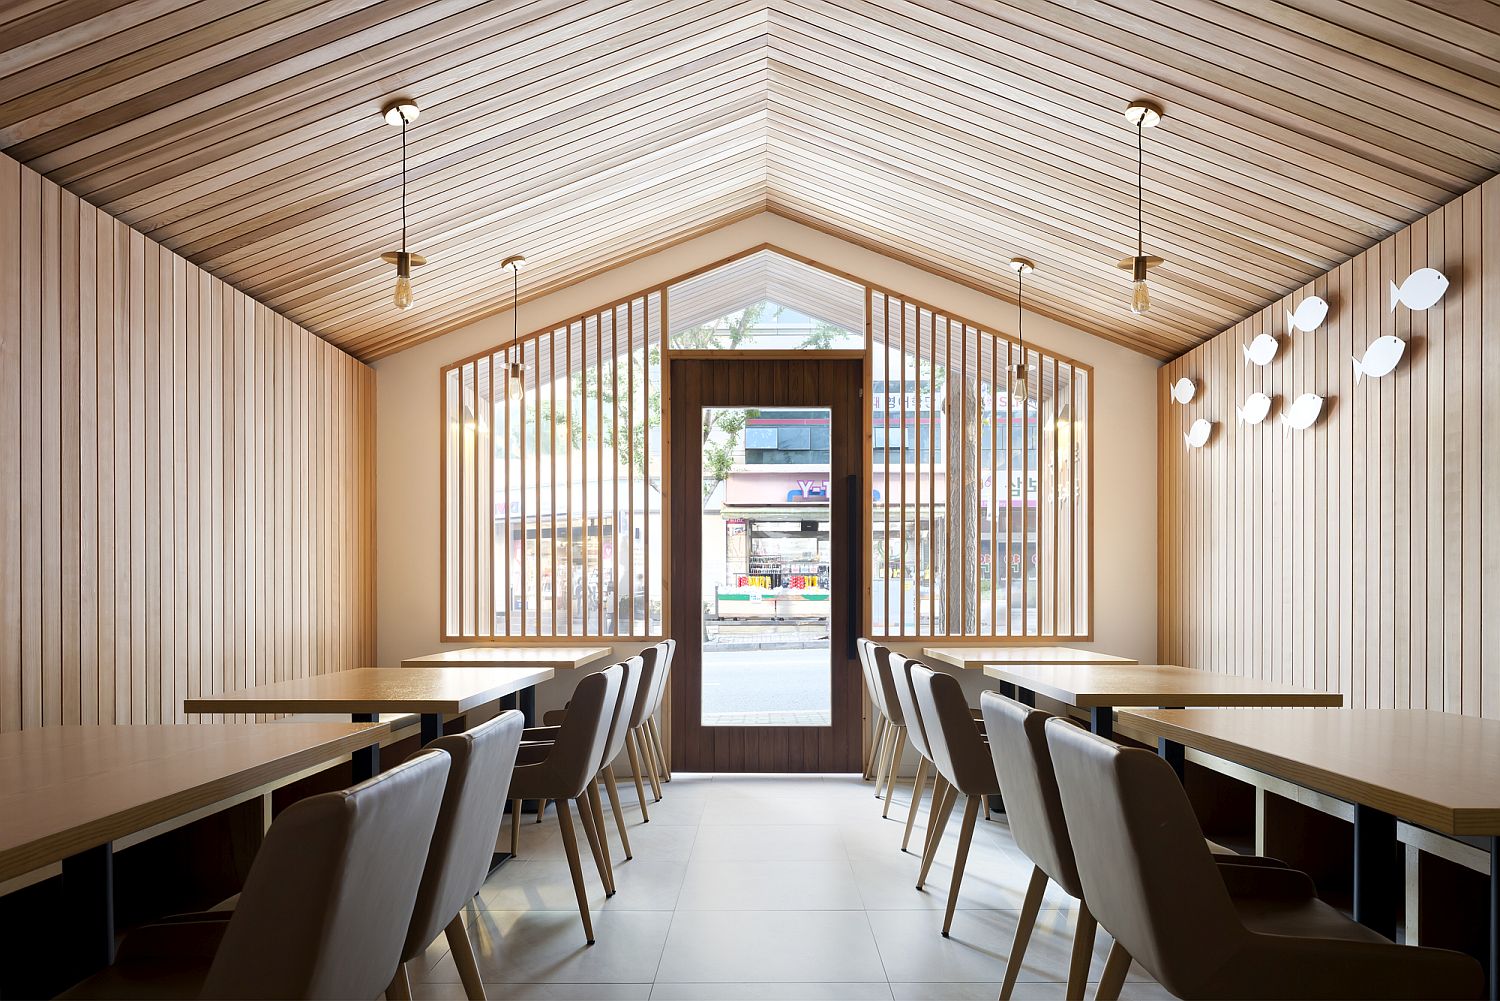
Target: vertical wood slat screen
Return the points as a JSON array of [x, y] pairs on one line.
[[551, 496], [186, 477], [1361, 555], [946, 448]]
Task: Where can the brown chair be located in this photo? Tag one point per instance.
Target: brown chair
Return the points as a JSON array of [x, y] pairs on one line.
[[482, 761], [648, 734], [906, 698], [959, 752], [1215, 931], [325, 910], [890, 708], [653, 671], [564, 768]]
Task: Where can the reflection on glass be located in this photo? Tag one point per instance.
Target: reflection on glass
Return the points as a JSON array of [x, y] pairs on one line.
[[766, 567]]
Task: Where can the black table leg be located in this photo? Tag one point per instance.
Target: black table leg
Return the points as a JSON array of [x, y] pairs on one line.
[[366, 759], [1375, 870], [1494, 994], [1172, 752], [432, 727], [89, 887], [1026, 697], [1102, 721], [1007, 689]]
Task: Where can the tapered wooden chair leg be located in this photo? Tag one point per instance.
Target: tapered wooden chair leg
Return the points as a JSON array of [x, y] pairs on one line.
[[601, 861], [965, 837], [575, 866], [1083, 953], [457, 934], [635, 766], [613, 788], [885, 756], [890, 780], [653, 762], [596, 807], [541, 809], [935, 836], [639, 736], [916, 801], [1024, 924], [1113, 977], [986, 807], [400, 988], [939, 790], [515, 826], [873, 757], [661, 751]]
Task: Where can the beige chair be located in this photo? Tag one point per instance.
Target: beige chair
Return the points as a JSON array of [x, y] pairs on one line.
[[653, 669], [482, 761], [648, 734], [1215, 931], [895, 727], [959, 752], [325, 911], [563, 769], [906, 698], [878, 725]]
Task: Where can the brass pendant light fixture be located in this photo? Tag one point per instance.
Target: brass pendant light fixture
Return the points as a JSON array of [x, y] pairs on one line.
[[402, 111], [516, 378], [1018, 372], [1143, 115]]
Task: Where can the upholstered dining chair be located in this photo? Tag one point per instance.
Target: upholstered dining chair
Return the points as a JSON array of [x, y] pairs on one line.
[[482, 761], [564, 767], [325, 910], [1207, 930], [962, 758], [906, 698], [648, 734], [878, 724], [896, 736]]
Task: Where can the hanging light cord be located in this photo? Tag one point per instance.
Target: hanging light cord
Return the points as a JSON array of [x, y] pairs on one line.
[[515, 319], [403, 182], [1020, 336], [1140, 199]]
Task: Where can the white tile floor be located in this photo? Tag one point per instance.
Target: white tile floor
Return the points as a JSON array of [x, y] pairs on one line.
[[757, 886]]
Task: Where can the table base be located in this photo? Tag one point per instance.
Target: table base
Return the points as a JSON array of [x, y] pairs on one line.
[[89, 888]]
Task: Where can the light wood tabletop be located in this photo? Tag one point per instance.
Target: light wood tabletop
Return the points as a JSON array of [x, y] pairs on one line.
[[70, 788], [560, 658], [429, 690], [977, 658], [1088, 686], [1436, 769]]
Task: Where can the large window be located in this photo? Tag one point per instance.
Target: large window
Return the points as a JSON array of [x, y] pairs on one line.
[[979, 496], [552, 513]]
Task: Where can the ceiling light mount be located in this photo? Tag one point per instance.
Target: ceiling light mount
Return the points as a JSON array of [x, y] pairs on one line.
[[514, 261], [401, 111], [1145, 114], [1022, 265]]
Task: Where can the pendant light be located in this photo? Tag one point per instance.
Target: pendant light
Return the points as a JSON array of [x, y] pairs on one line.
[[1143, 115], [1018, 372], [402, 112], [516, 379]]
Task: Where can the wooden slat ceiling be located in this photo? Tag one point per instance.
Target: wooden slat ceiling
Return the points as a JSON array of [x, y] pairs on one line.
[[246, 136]]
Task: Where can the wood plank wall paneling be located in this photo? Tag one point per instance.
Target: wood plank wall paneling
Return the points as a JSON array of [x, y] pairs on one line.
[[1362, 554], [186, 477]]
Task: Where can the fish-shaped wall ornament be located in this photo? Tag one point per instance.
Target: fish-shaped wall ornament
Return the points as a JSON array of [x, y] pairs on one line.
[[1308, 316], [1183, 390], [1257, 406], [1421, 289], [1380, 358], [1197, 435], [1303, 412], [1261, 350]]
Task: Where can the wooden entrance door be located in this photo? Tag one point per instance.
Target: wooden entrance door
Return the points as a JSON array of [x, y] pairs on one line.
[[698, 383]]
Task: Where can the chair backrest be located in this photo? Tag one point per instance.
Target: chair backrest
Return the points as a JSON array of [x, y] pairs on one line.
[[668, 649], [619, 725], [956, 744], [906, 698], [885, 683], [1018, 747], [1146, 872], [578, 748], [481, 762], [652, 663], [328, 902]]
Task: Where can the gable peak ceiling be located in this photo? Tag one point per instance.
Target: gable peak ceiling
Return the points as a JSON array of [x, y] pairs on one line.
[[245, 135]]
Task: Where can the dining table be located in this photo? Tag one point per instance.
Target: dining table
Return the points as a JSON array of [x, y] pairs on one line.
[[75, 794], [1437, 770], [367, 692], [558, 658], [1101, 689], [977, 658]]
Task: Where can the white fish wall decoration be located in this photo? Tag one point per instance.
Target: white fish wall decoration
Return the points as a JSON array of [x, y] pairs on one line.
[[1261, 350], [1303, 412], [1421, 289], [1197, 435], [1257, 406], [1308, 316], [1183, 390], [1380, 357]]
